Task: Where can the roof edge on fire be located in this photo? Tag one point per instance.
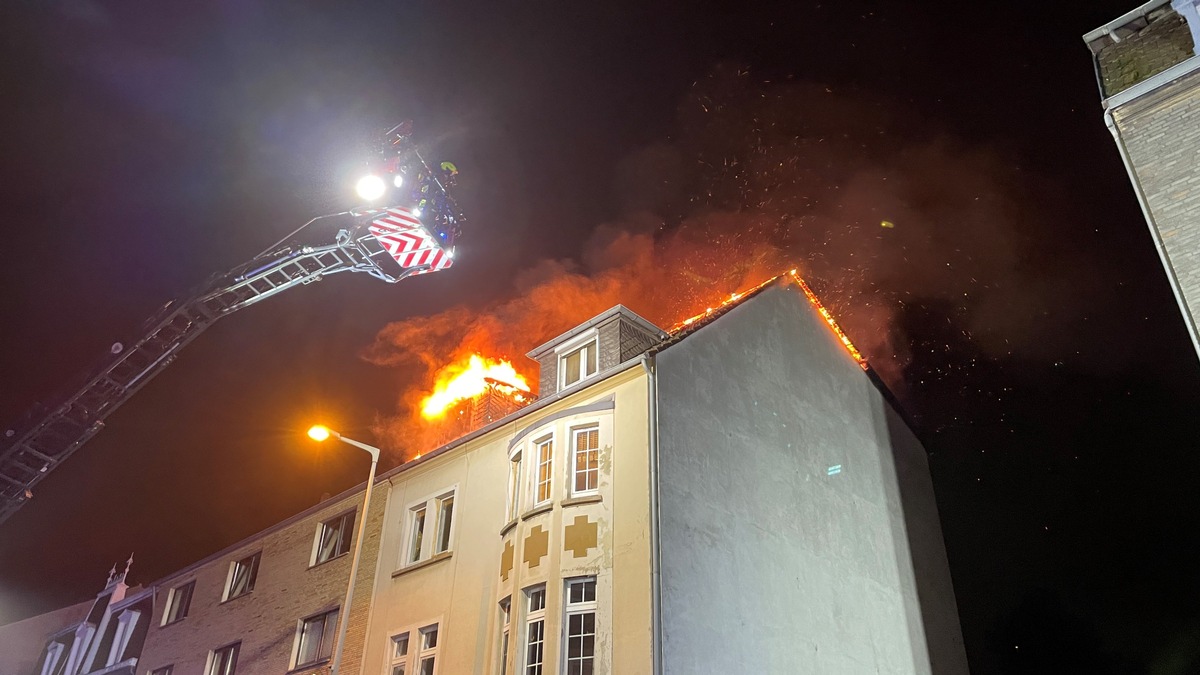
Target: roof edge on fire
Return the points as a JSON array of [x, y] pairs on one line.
[[785, 280], [617, 310]]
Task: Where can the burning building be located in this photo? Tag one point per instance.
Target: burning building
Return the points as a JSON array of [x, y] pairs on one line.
[[1148, 68], [739, 495]]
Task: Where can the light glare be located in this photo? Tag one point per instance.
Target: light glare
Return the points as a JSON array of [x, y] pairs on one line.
[[318, 432], [398, 181], [370, 188]]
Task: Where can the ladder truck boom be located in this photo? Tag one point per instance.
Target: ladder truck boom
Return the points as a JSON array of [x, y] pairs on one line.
[[390, 244]]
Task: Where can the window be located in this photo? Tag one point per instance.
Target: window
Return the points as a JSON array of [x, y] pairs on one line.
[[126, 622], [399, 653], [445, 520], [578, 364], [314, 639], [178, 601], [514, 486], [334, 537], [579, 625], [418, 534], [223, 661], [535, 630], [426, 660], [242, 575], [505, 614], [585, 444], [165, 670], [439, 510], [545, 459]]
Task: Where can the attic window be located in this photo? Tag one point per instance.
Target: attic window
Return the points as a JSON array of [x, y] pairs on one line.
[[578, 361]]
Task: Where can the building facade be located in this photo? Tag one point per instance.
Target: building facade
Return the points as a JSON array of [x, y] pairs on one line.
[[1148, 70], [269, 604], [102, 637], [740, 496]]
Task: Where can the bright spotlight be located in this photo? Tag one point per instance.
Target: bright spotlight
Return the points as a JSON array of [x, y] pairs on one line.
[[398, 181], [318, 432], [370, 188]]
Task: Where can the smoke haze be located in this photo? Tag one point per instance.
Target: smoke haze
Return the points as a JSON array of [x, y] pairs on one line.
[[876, 212]]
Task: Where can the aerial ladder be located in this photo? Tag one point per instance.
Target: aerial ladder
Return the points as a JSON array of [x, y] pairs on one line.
[[416, 236]]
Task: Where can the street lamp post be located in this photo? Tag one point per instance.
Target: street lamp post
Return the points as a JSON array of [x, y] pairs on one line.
[[320, 433]]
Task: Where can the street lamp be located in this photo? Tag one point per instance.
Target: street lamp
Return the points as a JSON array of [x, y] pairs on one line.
[[321, 433]]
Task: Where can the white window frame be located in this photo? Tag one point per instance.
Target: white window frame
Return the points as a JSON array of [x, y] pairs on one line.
[[336, 614], [430, 544], [425, 653], [316, 559], [579, 608], [210, 666], [54, 654], [173, 599], [83, 636], [573, 463], [578, 344], [505, 631], [399, 660], [515, 479], [537, 465], [168, 669], [256, 559], [533, 616], [126, 622]]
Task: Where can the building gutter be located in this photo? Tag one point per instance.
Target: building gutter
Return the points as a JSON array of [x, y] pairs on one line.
[[656, 632], [1155, 235]]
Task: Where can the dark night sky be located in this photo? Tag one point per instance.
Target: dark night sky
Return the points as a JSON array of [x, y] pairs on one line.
[[146, 147]]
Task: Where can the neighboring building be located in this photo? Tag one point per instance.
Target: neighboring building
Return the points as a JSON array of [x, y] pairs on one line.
[[741, 497], [23, 643], [1149, 75], [738, 497], [269, 604], [101, 637]]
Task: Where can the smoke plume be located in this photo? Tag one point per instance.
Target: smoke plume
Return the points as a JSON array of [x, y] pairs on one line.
[[875, 211]]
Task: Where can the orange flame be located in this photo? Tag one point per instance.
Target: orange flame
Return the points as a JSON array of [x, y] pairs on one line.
[[808, 293], [470, 378], [837, 330]]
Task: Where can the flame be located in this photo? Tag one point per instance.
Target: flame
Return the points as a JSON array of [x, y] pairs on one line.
[[470, 378], [808, 293], [812, 297]]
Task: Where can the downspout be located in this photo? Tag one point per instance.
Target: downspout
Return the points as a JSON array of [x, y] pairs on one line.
[[1154, 233], [656, 633]]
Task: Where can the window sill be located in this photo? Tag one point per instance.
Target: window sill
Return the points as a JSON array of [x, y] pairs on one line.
[[511, 524], [444, 555], [309, 666], [172, 623], [237, 597], [538, 510], [584, 499], [323, 562]]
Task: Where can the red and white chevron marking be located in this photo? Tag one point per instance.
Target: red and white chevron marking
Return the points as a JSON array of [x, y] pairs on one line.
[[404, 238]]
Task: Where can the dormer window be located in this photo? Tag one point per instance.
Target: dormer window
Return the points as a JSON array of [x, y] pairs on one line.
[[578, 361]]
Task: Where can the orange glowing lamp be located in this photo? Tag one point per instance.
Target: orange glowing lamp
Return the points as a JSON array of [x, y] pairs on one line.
[[319, 432]]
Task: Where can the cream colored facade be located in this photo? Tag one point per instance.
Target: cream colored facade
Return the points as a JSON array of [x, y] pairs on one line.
[[602, 534]]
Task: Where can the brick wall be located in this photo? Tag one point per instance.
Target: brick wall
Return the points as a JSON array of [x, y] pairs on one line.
[[1163, 43], [286, 590], [1161, 133]]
